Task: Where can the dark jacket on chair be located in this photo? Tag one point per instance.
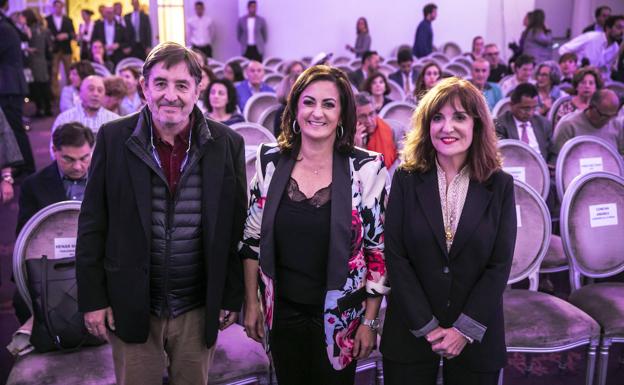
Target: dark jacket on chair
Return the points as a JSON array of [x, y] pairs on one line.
[[431, 286], [115, 228], [506, 129]]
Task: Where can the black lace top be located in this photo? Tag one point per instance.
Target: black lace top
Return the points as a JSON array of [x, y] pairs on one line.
[[302, 244]]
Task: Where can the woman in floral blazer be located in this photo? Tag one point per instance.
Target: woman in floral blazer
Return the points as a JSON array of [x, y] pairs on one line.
[[316, 158]]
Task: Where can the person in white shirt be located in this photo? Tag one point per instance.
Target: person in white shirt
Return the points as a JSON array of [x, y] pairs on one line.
[[132, 102], [599, 48], [89, 112], [200, 30], [251, 32], [523, 72]]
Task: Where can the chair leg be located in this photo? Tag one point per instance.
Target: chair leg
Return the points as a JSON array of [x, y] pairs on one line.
[[591, 364], [603, 361]]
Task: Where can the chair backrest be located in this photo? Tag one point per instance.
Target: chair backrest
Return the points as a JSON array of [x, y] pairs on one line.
[[465, 60], [52, 232], [129, 62], [253, 133], [256, 105], [267, 118], [100, 70], [392, 63], [218, 72], [592, 226], [525, 164], [552, 113], [584, 154], [401, 111], [341, 60], [273, 80], [439, 58], [272, 62], [240, 59], [396, 92], [451, 49], [501, 107], [617, 87], [399, 130], [458, 69], [386, 69], [532, 237], [355, 64]]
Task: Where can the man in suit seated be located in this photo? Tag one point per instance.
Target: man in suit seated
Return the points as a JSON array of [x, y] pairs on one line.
[[523, 123], [253, 83], [64, 179], [480, 72], [112, 34], [405, 76], [370, 65]]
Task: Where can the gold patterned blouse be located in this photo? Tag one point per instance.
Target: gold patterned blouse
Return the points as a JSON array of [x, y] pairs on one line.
[[452, 200]]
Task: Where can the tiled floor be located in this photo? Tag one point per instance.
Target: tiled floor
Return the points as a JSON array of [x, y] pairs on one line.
[[552, 369]]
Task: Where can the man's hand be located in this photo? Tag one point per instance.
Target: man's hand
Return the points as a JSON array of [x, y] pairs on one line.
[[227, 318], [448, 343], [96, 321], [254, 323], [364, 342], [361, 135]]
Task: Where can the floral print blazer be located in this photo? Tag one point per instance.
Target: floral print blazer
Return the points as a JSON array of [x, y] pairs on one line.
[[356, 267]]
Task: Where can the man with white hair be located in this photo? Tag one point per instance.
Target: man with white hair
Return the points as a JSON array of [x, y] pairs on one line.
[[253, 83]]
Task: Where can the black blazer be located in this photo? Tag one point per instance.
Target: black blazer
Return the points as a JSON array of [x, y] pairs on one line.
[[357, 78], [506, 129], [114, 227], [67, 26], [427, 281], [38, 191], [12, 81], [397, 77], [120, 37], [145, 29]]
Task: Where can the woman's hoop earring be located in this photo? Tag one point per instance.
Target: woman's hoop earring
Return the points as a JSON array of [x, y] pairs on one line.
[[294, 128], [340, 131]]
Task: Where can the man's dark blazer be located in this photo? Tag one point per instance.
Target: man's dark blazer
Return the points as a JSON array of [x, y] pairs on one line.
[[120, 37], [38, 191], [145, 30], [428, 281], [67, 27], [397, 77], [357, 78], [114, 227], [12, 81], [506, 129]]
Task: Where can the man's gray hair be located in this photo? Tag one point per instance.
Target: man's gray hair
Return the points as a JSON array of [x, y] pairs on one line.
[[363, 98]]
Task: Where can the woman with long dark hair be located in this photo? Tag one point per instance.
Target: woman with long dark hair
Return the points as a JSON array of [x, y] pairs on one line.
[[363, 38], [537, 37]]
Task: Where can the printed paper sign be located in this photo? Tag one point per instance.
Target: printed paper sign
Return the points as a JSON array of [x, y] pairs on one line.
[[518, 216], [590, 165], [64, 247], [518, 173], [603, 215]]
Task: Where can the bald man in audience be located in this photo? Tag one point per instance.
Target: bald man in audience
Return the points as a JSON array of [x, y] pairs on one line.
[[598, 119], [253, 83], [480, 73]]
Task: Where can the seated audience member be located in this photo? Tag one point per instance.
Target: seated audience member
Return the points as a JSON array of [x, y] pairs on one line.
[[132, 102], [599, 48], [523, 123], [547, 77], [98, 55], [568, 66], [598, 119], [221, 102], [480, 72], [294, 67], [89, 112], [363, 38], [478, 45], [370, 65], [233, 72], [70, 94], [601, 14], [585, 82], [64, 179], [405, 76], [115, 91], [282, 92], [522, 74], [253, 84], [498, 70], [537, 37], [377, 86], [374, 134], [207, 77], [10, 156], [430, 74]]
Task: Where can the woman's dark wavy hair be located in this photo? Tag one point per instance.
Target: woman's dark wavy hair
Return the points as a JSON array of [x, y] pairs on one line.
[[290, 142], [230, 106]]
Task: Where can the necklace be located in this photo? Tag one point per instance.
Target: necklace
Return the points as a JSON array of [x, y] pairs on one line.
[[450, 208]]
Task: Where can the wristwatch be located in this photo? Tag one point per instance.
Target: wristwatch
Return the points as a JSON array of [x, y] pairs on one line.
[[8, 178], [371, 323]]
